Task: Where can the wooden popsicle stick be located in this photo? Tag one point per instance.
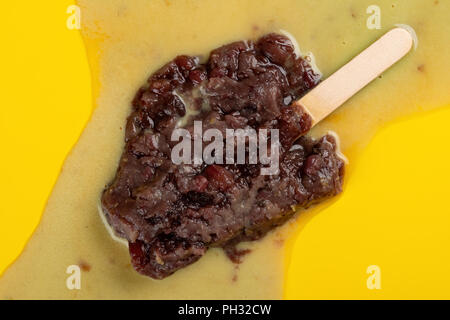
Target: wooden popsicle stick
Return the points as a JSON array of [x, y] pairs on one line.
[[356, 74]]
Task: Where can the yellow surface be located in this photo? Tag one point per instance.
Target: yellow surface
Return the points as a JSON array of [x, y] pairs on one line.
[[394, 211], [46, 102]]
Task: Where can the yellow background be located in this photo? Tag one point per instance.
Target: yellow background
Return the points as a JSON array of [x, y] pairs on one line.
[[394, 212]]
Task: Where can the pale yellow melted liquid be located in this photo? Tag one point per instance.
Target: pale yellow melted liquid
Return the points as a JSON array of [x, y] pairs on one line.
[[126, 42]]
